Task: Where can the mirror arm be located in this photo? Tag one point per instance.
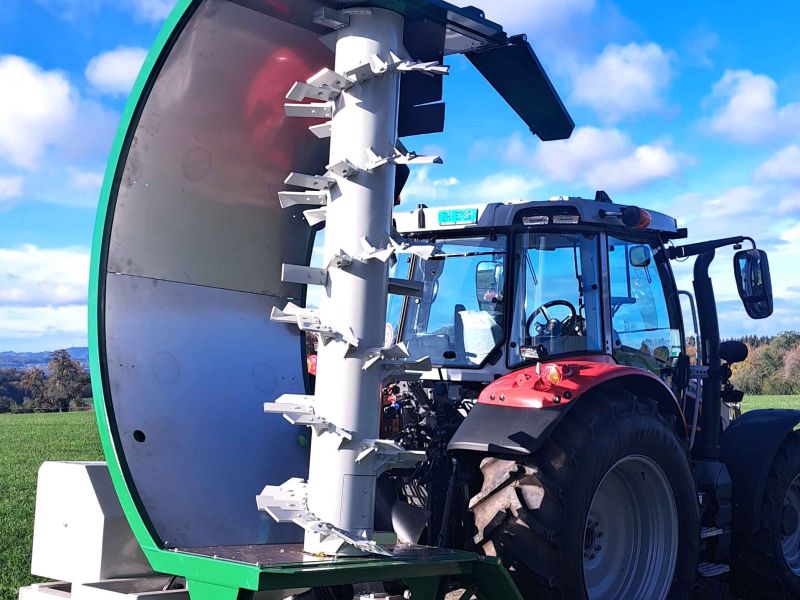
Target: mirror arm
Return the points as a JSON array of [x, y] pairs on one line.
[[702, 247]]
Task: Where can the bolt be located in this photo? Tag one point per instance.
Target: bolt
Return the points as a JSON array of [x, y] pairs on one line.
[[599, 534], [592, 555], [502, 397], [598, 548]]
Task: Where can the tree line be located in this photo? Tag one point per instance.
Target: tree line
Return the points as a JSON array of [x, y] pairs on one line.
[[64, 385], [772, 366]]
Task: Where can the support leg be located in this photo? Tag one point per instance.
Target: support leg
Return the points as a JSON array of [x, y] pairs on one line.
[[427, 588], [199, 590], [494, 581]]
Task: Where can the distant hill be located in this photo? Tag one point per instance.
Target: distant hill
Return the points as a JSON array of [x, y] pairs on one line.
[[26, 360]]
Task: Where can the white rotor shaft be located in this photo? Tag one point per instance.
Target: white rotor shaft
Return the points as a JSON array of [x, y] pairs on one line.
[[342, 490]]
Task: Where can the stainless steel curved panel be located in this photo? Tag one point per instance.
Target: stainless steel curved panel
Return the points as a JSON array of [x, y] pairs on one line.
[[197, 202], [190, 368], [193, 269]]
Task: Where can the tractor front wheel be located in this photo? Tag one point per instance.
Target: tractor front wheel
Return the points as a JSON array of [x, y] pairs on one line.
[[605, 510]]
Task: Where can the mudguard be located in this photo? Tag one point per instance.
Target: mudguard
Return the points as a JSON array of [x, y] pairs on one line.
[[749, 447], [516, 414], [506, 429]]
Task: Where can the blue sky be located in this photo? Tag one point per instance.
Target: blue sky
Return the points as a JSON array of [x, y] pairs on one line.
[[691, 108]]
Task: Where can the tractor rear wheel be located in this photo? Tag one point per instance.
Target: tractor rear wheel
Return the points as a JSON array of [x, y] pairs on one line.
[[767, 563], [605, 510]]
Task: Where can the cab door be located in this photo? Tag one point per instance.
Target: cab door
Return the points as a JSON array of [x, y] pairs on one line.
[[646, 323]]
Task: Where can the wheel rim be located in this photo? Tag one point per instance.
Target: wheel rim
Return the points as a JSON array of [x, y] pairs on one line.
[[790, 526], [631, 533]]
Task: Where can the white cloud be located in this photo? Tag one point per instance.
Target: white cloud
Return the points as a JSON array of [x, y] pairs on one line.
[[114, 72], [31, 276], [43, 117], [422, 188], [698, 45], [791, 235], [151, 10], [36, 108], [784, 165], [502, 187], [745, 109], [563, 32], [446, 182], [10, 187], [624, 81], [86, 180], [64, 325], [530, 16], [601, 158], [789, 205], [761, 212], [498, 187]]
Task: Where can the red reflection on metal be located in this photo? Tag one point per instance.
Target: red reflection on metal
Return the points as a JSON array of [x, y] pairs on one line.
[[272, 132], [278, 6]]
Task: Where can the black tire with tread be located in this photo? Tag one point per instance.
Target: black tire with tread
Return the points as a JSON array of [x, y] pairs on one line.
[[759, 567], [531, 511]]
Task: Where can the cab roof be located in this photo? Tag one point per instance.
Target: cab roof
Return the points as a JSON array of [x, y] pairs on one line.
[[561, 212]]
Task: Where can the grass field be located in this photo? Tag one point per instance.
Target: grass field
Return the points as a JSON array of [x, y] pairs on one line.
[[28, 440], [25, 442], [757, 402]]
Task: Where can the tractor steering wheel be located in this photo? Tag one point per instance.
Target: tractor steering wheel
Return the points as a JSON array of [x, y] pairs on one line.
[[551, 322]]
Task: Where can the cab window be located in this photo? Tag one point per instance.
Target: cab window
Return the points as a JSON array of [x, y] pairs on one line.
[[557, 297], [645, 332], [458, 320]]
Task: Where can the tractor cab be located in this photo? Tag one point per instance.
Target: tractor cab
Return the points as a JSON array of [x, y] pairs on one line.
[[509, 285]]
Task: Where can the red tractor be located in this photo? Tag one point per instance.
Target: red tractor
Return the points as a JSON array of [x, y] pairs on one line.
[[568, 429]]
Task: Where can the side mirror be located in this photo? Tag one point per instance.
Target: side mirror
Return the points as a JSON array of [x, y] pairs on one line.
[[640, 256], [488, 284], [751, 269]]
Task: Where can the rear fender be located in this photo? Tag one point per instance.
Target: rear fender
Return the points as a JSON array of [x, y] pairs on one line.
[[512, 417], [749, 447]]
